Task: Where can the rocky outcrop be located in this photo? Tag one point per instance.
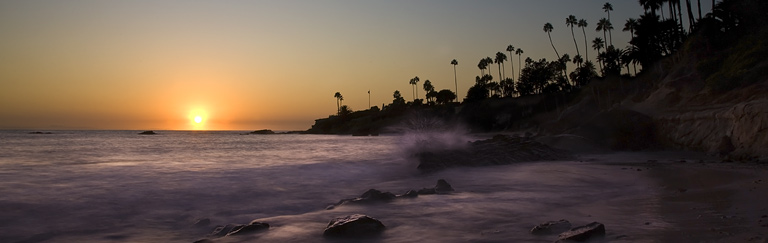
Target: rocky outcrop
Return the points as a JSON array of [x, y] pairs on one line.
[[551, 227], [583, 233], [499, 150], [376, 196], [356, 225], [262, 132], [147, 133], [737, 131]]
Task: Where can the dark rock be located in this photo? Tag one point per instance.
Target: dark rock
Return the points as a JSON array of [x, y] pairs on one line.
[[202, 222], [262, 132], [551, 227], [375, 195], [499, 150], [147, 133], [443, 187], [583, 233], [409, 194], [203, 241], [221, 231], [253, 227], [40, 133], [356, 225]]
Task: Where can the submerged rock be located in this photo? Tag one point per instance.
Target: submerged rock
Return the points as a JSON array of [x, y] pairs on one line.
[[373, 195], [583, 233], [147, 133], [356, 225], [551, 227], [499, 150]]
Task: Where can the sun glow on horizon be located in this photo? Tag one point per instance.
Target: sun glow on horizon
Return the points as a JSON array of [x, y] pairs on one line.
[[197, 118]]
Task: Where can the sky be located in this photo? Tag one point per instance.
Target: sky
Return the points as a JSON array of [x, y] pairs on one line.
[[248, 65]]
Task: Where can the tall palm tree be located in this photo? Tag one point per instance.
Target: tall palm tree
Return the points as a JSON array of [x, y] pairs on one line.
[[482, 65], [339, 98], [414, 81], [578, 60], [571, 21], [488, 62], [455, 83], [652, 5], [519, 52], [604, 25], [607, 7], [548, 28], [598, 44], [583, 24], [500, 58], [511, 49]]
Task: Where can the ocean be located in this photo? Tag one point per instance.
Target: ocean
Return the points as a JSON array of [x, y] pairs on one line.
[[118, 186]]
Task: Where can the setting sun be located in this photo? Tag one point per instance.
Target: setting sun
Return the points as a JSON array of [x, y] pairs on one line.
[[197, 119]]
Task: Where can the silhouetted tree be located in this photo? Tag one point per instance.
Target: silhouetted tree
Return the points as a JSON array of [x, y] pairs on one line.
[[548, 29], [500, 58], [344, 111], [519, 53], [511, 49], [482, 65], [598, 44], [630, 26], [339, 98], [397, 99], [607, 7], [455, 83], [572, 22], [445, 96], [583, 24], [488, 61], [604, 25], [582, 75], [414, 81], [428, 88]]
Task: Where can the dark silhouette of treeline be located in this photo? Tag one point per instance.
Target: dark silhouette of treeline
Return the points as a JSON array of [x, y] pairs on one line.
[[728, 43]]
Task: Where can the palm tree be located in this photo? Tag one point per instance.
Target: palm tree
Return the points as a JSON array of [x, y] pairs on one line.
[[482, 65], [578, 60], [519, 52], [488, 62], [511, 49], [571, 21], [455, 83], [630, 26], [414, 81], [583, 24], [653, 5], [598, 44], [604, 25], [428, 88], [500, 58], [339, 98], [607, 7], [548, 28]]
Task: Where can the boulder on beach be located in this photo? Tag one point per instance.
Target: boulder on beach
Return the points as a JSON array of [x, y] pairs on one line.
[[583, 233], [499, 150], [147, 133], [551, 227], [442, 187], [373, 195], [356, 225]]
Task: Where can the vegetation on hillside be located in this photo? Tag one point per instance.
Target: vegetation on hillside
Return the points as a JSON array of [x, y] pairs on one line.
[[728, 43]]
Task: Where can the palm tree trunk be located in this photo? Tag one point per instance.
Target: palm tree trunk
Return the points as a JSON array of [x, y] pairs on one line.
[[456, 83], [512, 64], [586, 45], [519, 66], [500, 73], [698, 4], [690, 14], [553, 46], [574, 42]]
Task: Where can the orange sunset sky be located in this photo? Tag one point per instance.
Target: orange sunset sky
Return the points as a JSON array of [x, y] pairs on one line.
[[246, 65]]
